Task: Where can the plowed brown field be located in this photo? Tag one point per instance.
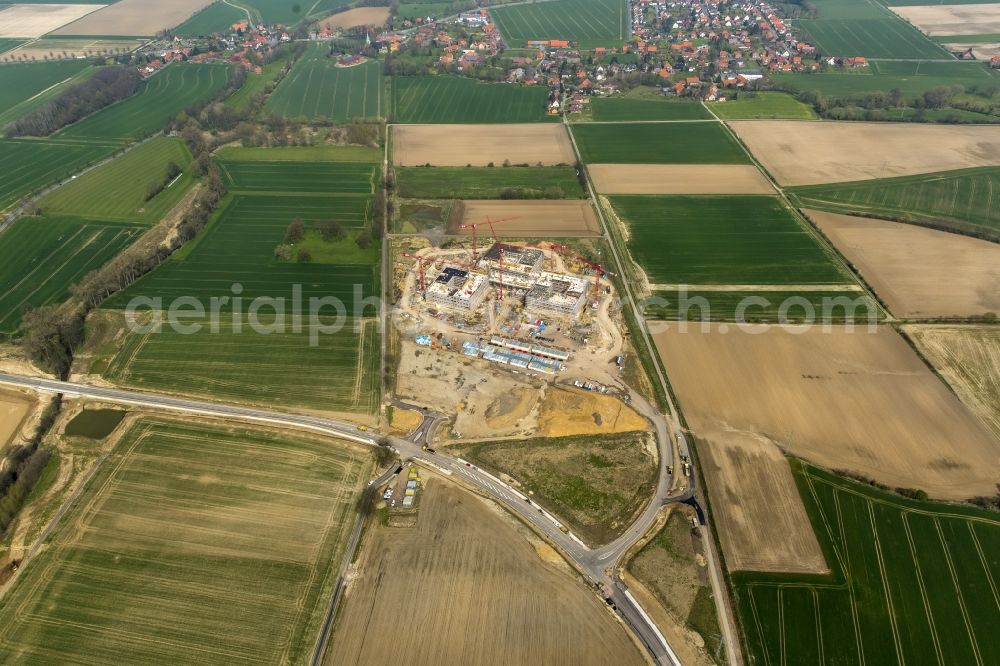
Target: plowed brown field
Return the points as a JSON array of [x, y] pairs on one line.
[[478, 145], [857, 400], [532, 219], [466, 587], [360, 16], [679, 179], [808, 153], [135, 18], [14, 408], [918, 272]]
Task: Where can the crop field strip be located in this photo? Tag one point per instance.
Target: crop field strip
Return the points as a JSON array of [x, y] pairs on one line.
[[453, 99], [238, 247], [317, 88], [720, 240], [162, 96], [41, 257], [29, 165], [658, 143], [189, 533], [625, 109], [910, 78], [963, 199], [217, 17], [260, 177], [19, 83], [866, 28], [912, 582], [589, 22], [117, 190], [484, 182]]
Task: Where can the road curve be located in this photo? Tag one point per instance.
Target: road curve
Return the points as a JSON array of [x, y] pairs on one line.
[[595, 564]]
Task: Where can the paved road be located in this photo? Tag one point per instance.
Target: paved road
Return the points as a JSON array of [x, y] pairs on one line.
[[595, 564]]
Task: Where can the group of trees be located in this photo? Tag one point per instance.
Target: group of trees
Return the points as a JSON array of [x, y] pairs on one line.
[[329, 230], [104, 88], [23, 466], [172, 171]]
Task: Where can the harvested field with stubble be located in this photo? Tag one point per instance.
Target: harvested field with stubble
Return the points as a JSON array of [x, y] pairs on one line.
[[857, 401], [467, 586], [918, 272], [810, 153], [762, 522], [189, 533], [14, 409], [959, 19], [35, 20], [376, 16], [479, 145], [133, 18], [968, 357], [678, 179], [532, 219]]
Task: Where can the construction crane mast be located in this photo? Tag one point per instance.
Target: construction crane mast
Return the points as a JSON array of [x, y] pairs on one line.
[[475, 235], [420, 268]]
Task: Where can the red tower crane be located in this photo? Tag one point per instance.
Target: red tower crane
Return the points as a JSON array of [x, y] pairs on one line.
[[475, 235], [599, 270], [420, 268]]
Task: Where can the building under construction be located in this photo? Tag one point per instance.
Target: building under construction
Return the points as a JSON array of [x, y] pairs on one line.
[[458, 289]]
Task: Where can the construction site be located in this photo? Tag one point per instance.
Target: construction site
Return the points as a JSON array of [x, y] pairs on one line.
[[485, 329]]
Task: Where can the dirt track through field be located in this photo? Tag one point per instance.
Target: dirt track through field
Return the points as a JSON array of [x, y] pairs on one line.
[[135, 18], [813, 152], [968, 357], [679, 179], [479, 145], [465, 587], [532, 219], [857, 400], [918, 272], [361, 16], [763, 523], [937, 20]]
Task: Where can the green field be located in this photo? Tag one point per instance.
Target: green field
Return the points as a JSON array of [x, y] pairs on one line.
[[320, 153], [189, 533], [41, 257], [762, 306], [658, 143], [19, 83], [289, 13], [912, 582], [865, 28], [614, 109], [217, 17], [117, 190], [764, 105], [162, 96], [486, 182], [29, 165], [234, 360], [588, 22], [910, 78], [961, 199], [723, 240], [413, 11], [454, 99], [6, 44], [308, 177], [255, 85], [596, 484], [317, 88]]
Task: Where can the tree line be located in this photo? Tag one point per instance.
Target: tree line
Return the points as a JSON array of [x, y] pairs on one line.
[[104, 88], [23, 466]]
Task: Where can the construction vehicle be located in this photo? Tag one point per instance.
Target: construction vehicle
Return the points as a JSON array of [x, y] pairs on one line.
[[670, 469], [363, 428]]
